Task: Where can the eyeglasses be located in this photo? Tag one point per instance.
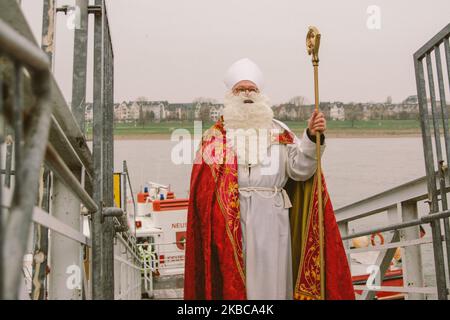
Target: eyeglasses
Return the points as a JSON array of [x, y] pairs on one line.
[[244, 90]]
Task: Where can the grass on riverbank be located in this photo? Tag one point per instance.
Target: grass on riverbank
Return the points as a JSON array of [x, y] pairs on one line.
[[334, 128]]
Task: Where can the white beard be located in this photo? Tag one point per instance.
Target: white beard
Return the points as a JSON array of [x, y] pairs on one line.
[[248, 126], [240, 115]]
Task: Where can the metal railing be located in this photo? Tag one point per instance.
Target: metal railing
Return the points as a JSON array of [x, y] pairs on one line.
[[51, 182], [129, 280], [164, 264], [149, 267], [401, 203], [127, 186], [153, 263], [127, 269], [399, 208]]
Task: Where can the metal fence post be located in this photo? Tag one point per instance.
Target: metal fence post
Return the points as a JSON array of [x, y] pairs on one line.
[[108, 154], [79, 78], [65, 281], [41, 244], [80, 65], [8, 157], [40, 251], [117, 269], [412, 256], [48, 29], [97, 137], [343, 229]]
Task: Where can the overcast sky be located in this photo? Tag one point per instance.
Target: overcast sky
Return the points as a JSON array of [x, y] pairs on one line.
[[178, 50]]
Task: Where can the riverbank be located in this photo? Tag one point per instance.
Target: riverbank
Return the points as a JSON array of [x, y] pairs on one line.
[[329, 134], [336, 129]]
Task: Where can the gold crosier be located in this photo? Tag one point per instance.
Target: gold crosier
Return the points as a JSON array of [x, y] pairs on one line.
[[312, 45]]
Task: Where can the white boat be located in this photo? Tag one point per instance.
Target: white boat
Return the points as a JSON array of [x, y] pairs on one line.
[[160, 227]]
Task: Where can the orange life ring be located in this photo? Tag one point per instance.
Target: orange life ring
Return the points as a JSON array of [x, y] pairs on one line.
[[379, 235]]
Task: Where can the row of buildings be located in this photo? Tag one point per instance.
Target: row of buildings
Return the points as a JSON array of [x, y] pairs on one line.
[[156, 111], [407, 110]]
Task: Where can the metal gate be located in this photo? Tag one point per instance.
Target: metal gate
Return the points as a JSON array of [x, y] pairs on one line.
[[437, 157]]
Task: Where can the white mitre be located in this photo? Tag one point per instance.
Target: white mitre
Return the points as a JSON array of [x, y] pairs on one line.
[[244, 69]]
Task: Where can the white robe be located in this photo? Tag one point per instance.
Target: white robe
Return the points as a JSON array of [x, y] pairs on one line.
[[265, 220]]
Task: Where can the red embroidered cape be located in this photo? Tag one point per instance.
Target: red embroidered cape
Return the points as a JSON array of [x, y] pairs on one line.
[[214, 258]]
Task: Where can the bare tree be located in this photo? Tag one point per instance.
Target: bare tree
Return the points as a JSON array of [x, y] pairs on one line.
[[142, 99], [205, 113], [353, 112], [298, 101], [142, 119], [204, 100]]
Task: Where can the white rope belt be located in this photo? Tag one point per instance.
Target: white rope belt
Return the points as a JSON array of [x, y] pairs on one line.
[[274, 190]]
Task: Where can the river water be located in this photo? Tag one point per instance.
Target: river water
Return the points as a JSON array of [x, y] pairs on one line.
[[354, 168]]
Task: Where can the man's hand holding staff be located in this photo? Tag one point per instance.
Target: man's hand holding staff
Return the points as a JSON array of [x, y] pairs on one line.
[[316, 126]]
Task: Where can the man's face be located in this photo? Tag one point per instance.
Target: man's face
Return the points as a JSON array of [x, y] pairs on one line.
[[248, 120], [245, 87], [246, 107]]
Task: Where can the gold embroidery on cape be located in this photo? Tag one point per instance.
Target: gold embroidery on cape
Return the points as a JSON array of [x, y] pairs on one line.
[[227, 192], [308, 279]]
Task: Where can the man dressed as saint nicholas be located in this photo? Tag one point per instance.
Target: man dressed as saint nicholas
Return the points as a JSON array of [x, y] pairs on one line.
[[252, 229]]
